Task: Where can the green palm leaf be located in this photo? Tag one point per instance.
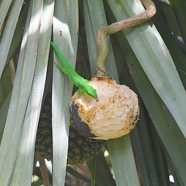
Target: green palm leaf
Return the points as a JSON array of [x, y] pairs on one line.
[[149, 58]]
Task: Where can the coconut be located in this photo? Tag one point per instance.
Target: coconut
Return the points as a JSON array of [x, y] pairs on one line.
[[112, 115]]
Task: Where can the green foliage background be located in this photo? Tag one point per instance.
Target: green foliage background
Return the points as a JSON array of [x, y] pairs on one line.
[[149, 58]]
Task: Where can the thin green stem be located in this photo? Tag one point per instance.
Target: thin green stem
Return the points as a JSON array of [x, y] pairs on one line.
[[93, 176], [102, 39]]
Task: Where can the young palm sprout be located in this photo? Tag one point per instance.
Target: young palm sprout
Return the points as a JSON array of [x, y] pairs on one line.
[[115, 112]]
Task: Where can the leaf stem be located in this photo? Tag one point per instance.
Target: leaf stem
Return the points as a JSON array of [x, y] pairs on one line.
[[93, 176], [102, 39]]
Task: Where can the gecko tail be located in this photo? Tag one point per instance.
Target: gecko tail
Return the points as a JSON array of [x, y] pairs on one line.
[[58, 53]]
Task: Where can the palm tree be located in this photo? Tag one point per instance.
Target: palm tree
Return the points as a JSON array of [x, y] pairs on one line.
[[149, 58]]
